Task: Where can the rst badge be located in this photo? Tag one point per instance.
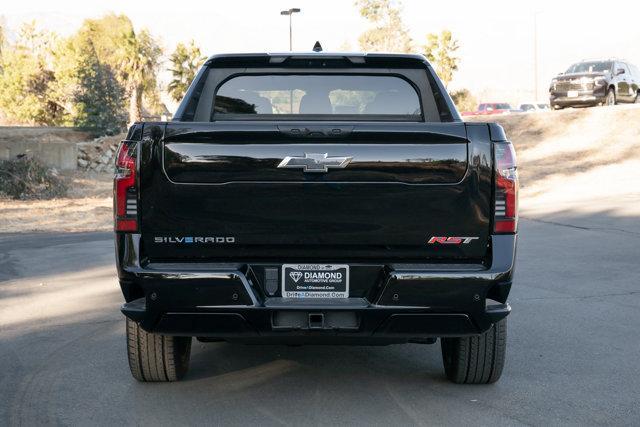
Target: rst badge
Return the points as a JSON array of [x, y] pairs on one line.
[[452, 240], [315, 162]]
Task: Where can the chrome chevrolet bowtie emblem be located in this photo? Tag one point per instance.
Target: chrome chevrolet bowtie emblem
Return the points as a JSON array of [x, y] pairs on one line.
[[315, 162]]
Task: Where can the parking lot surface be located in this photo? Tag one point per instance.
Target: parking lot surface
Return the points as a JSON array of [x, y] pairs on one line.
[[572, 357]]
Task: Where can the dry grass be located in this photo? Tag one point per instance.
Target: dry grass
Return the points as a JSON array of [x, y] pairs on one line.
[[87, 207]]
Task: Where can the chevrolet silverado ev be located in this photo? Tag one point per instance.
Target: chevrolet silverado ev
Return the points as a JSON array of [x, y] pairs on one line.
[[316, 198]]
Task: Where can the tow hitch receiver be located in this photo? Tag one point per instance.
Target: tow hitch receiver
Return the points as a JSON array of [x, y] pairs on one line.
[[316, 321]]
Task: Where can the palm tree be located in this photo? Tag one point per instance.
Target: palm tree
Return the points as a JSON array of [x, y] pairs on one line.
[[138, 59], [185, 60]]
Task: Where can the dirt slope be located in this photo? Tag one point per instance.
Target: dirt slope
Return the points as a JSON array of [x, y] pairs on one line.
[[578, 162]]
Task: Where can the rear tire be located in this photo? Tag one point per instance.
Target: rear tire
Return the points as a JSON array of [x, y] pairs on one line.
[[154, 357], [477, 359], [611, 98]]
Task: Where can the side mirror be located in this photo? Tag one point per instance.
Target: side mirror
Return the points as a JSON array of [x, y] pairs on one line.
[[561, 73], [619, 71]]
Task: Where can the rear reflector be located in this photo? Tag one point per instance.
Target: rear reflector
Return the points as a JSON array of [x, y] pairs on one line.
[[125, 194], [506, 190]]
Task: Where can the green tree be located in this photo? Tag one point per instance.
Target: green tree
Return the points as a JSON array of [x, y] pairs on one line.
[[440, 51], [2, 37], [153, 104], [86, 87], [133, 55], [26, 79], [185, 62], [98, 96], [389, 33], [82, 79]]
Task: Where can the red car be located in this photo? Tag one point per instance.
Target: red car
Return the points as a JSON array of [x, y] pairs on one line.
[[490, 108]]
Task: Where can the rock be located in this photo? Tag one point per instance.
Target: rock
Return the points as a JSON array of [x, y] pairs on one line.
[[105, 158], [98, 155]]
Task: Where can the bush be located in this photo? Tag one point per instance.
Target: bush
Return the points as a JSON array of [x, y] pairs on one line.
[[27, 178], [464, 100]]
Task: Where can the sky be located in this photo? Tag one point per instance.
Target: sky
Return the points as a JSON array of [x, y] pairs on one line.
[[496, 37]]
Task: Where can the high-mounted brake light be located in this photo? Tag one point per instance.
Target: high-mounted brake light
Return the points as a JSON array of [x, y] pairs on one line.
[[506, 204], [125, 194]]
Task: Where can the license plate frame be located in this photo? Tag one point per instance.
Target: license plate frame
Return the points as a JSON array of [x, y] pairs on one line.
[[315, 280], [573, 94]]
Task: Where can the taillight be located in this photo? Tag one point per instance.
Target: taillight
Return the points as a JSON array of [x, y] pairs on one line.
[[125, 194], [506, 207]]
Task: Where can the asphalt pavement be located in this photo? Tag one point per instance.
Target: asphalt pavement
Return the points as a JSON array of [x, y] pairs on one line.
[[573, 355]]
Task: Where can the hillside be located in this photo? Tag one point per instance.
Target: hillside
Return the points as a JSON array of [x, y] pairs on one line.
[[578, 163]]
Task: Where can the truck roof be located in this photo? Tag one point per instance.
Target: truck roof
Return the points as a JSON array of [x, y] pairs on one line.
[[281, 57]]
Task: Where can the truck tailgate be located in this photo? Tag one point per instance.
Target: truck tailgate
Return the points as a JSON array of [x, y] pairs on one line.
[[217, 192]]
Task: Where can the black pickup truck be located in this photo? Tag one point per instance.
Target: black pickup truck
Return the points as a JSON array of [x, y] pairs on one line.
[[316, 198]]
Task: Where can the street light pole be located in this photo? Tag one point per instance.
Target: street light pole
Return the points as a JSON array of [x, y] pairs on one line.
[[535, 56], [290, 13], [290, 33]]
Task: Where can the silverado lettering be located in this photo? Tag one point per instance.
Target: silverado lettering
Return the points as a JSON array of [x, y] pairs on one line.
[[159, 239], [289, 200]]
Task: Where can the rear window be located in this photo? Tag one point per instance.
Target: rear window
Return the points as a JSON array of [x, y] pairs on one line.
[[298, 95]]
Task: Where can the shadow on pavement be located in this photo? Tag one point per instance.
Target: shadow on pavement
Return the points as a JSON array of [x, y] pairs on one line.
[[576, 304], [31, 255]]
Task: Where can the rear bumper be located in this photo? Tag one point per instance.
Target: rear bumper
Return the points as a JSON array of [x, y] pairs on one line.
[[354, 322], [388, 303]]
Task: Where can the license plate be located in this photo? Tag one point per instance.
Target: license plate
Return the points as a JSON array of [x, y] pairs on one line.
[[315, 281], [572, 94]]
